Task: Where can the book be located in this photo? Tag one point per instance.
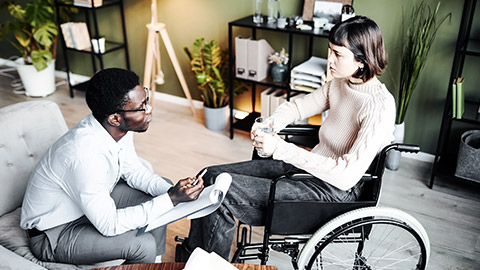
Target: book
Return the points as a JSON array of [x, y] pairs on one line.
[[201, 260], [207, 202], [76, 35], [460, 99], [454, 99], [87, 3]]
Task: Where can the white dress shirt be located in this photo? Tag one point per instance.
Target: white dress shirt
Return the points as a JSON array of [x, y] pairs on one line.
[[76, 176]]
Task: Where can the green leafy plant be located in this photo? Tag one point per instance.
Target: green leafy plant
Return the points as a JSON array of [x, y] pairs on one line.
[[210, 67], [34, 30], [418, 39]]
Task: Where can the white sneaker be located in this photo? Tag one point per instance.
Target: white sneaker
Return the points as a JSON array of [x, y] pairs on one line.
[[158, 259]]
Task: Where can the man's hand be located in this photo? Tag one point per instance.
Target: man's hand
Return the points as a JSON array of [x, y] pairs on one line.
[[185, 190]]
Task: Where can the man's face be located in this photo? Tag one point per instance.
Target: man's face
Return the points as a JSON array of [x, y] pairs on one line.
[[139, 119]]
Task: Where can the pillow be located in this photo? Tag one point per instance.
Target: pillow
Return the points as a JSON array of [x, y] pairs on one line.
[[15, 239]]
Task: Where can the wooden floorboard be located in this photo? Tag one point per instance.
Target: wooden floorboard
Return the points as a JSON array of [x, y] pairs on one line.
[[178, 145]]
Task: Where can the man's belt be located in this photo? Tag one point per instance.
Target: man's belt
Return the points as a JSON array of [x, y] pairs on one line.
[[34, 232]]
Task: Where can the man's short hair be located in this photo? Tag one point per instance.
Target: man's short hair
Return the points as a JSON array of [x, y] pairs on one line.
[[108, 89], [363, 37]]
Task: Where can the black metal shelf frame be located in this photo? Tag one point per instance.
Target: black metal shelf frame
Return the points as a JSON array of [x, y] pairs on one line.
[[444, 163], [247, 22], [110, 46]]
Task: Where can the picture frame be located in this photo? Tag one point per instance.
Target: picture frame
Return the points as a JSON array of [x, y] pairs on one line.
[[309, 5]]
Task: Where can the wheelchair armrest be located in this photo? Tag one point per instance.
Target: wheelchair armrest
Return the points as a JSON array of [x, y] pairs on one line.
[[300, 130]]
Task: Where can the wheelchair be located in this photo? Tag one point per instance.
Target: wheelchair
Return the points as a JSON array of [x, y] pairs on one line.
[[339, 235]]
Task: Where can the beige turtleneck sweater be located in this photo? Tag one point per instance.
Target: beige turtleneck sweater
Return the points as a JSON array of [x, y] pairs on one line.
[[360, 123]]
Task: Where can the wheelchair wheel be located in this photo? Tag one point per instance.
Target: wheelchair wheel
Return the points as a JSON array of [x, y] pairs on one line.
[[368, 238]]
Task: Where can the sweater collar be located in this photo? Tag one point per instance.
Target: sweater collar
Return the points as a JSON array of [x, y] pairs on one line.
[[363, 88]]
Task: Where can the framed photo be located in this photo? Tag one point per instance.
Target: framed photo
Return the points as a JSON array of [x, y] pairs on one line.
[[328, 8]]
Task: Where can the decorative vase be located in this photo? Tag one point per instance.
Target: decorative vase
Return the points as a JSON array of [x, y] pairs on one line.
[[392, 162], [37, 83], [216, 119], [279, 73]]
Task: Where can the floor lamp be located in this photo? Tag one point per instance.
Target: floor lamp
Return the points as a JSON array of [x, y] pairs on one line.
[[153, 74]]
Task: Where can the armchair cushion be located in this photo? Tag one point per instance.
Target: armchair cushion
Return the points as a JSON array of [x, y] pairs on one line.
[[27, 130]]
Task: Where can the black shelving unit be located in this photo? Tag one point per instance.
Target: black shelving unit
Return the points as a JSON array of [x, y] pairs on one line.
[[247, 22], [445, 161], [110, 46]]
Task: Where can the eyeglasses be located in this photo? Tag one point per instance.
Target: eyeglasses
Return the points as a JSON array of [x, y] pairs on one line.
[[147, 108]]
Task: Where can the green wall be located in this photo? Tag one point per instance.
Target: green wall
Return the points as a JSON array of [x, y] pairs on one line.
[[187, 20]]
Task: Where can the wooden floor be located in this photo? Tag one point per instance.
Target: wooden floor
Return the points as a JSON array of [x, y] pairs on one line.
[[179, 145]]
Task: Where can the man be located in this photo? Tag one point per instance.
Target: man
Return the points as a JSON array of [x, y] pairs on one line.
[[77, 209]]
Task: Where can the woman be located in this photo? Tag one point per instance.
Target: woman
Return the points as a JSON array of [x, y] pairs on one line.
[[359, 125]]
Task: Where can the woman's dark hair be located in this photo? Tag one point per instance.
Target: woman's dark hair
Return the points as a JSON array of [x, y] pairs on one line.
[[108, 90], [363, 37]]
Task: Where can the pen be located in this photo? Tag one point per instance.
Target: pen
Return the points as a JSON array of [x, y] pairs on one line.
[[201, 175]]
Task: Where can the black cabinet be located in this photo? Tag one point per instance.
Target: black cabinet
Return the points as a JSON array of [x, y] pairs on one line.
[[94, 31], [445, 160], [247, 22]]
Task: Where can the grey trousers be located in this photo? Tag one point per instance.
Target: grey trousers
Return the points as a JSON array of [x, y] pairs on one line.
[[79, 242]]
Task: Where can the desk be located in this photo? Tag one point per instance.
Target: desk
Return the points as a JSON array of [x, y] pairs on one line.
[[180, 266]]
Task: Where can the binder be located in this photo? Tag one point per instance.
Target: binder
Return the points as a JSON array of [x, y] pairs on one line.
[[276, 99], [265, 101], [241, 53], [257, 60]]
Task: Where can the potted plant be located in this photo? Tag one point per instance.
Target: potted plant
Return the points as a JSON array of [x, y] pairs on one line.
[[210, 69], [34, 33], [418, 38]]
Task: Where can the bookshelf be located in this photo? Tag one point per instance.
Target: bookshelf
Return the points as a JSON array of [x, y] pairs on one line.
[[444, 163], [247, 22], [90, 14]]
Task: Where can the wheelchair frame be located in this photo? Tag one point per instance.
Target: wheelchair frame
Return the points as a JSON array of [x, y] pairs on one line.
[[330, 222]]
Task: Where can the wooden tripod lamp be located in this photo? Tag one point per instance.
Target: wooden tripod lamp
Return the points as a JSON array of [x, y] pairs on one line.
[[153, 74]]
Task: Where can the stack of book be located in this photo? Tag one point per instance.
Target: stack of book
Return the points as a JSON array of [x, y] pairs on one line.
[[458, 99], [87, 3], [309, 75], [76, 35]]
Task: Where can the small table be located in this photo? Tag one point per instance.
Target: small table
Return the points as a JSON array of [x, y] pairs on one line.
[[180, 266]]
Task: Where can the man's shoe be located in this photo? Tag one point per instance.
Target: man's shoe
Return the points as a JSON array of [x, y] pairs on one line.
[[181, 253]]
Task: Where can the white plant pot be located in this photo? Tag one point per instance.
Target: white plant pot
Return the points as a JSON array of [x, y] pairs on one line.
[[216, 119], [37, 83], [392, 161]]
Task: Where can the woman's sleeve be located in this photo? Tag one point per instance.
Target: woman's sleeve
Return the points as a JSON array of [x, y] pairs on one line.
[[302, 108]]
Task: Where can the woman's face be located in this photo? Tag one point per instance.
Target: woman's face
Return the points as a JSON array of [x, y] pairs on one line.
[[342, 63]]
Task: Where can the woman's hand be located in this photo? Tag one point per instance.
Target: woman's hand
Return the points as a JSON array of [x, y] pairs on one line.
[[185, 190], [265, 142]]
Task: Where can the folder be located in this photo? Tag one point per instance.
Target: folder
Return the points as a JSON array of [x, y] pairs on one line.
[[241, 53], [257, 60]]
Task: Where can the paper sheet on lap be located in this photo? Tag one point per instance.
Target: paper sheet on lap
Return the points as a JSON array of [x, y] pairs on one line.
[[208, 201]]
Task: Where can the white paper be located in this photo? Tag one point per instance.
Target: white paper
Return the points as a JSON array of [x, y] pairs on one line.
[[207, 202], [201, 260]]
